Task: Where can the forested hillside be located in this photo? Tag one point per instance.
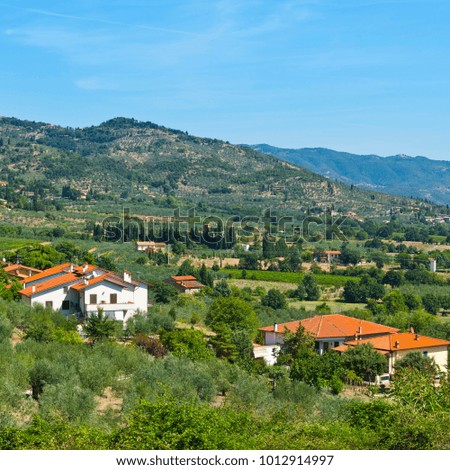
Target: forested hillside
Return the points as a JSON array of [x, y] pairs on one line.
[[141, 161], [399, 174]]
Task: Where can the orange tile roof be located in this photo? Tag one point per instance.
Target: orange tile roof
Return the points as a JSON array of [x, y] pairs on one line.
[[333, 252], [400, 342], [12, 267], [184, 278], [334, 326], [47, 285], [109, 277], [341, 348], [61, 268], [192, 284], [82, 284], [47, 272], [85, 268]]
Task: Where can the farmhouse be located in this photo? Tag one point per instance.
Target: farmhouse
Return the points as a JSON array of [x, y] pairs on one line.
[[329, 331], [83, 290], [395, 346], [150, 247], [331, 255], [20, 271], [186, 284]]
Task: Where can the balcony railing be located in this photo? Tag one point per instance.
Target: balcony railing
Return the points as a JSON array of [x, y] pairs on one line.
[[110, 307]]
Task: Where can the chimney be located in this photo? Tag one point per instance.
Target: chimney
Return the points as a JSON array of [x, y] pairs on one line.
[[417, 337], [86, 282], [275, 327], [85, 267], [411, 330], [360, 330], [126, 276], [71, 268], [33, 289], [397, 344]]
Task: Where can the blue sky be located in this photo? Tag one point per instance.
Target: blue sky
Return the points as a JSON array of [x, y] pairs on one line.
[[369, 76]]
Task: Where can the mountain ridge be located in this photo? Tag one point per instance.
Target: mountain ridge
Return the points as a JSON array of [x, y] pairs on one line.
[[125, 159], [401, 175]]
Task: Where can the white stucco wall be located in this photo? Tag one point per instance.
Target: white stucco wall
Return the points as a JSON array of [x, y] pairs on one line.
[[56, 296], [438, 354]]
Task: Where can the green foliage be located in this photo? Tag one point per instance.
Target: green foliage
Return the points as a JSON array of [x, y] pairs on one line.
[[417, 361], [274, 299], [416, 388], [98, 327], [150, 345], [41, 374], [167, 425], [164, 293], [274, 276], [66, 401], [152, 322], [360, 292], [222, 289], [312, 290], [394, 302], [6, 327], [365, 361], [186, 343], [393, 278], [232, 313]]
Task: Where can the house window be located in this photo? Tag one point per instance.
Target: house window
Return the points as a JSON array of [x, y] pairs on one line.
[[93, 299], [425, 354], [336, 344], [113, 298], [326, 344], [49, 304], [65, 305]]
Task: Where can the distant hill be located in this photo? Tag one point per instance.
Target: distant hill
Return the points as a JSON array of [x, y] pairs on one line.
[[400, 174], [124, 159]]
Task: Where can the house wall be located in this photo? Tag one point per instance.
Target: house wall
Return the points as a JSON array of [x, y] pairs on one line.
[[128, 300], [438, 353], [271, 338], [325, 344], [103, 291], [141, 298], [57, 297], [322, 345]]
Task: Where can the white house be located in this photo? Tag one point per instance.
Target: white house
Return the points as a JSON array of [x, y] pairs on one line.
[[395, 346], [329, 331], [149, 247], [85, 289]]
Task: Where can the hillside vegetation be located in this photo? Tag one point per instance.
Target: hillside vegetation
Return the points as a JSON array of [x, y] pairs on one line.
[[123, 159], [399, 174]]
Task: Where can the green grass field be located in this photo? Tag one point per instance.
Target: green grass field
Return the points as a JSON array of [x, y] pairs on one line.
[[8, 243], [336, 307], [327, 280]]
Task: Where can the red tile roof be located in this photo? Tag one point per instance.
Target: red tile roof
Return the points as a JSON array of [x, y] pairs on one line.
[[84, 284], [333, 326], [183, 278], [400, 342], [46, 273], [192, 284], [13, 267], [47, 285], [103, 277], [62, 268], [64, 275]]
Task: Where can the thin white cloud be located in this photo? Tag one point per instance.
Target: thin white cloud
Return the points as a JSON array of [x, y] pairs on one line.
[[104, 21]]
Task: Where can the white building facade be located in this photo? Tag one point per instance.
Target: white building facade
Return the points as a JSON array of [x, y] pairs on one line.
[[84, 290]]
